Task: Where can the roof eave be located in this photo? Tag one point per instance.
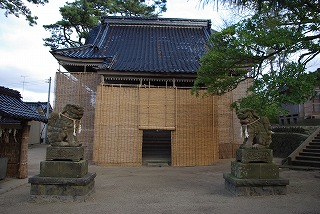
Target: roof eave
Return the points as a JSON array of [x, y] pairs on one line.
[[148, 75], [64, 60]]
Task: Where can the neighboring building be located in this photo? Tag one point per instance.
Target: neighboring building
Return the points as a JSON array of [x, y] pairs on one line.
[[301, 113], [37, 130], [134, 78], [306, 113], [14, 132]]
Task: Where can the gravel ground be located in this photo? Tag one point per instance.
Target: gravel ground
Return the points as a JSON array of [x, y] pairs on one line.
[[166, 190]]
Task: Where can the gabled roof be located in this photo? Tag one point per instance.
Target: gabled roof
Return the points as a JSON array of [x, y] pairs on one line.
[[141, 45], [12, 107], [39, 105]]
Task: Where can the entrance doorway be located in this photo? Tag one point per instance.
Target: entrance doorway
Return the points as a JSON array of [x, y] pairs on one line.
[[156, 146]]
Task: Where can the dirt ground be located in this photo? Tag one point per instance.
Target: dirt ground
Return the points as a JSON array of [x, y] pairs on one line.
[[166, 190]]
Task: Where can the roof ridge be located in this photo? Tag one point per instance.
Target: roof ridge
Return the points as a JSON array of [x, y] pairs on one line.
[[156, 21]]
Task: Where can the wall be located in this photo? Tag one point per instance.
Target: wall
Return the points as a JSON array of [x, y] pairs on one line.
[[117, 138], [123, 112], [203, 129], [229, 138], [35, 130], [79, 89]]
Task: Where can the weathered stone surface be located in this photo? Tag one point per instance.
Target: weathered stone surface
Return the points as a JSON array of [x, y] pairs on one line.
[[254, 155], [65, 153], [64, 126], [61, 189], [65, 169], [254, 128], [255, 187], [254, 170]]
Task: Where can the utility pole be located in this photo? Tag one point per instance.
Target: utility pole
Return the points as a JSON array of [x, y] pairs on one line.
[[48, 106], [24, 81]]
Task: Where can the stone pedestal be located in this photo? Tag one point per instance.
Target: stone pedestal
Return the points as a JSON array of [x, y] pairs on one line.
[[63, 176], [254, 174], [65, 153]]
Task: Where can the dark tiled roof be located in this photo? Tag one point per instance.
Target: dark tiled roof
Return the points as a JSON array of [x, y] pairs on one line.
[[11, 106], [36, 105], [144, 44]]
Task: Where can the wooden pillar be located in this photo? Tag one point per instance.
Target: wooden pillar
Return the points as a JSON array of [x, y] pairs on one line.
[[23, 163]]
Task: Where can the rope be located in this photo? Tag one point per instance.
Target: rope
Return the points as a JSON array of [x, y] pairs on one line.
[[246, 134], [74, 123]]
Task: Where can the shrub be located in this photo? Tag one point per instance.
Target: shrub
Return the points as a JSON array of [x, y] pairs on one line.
[[283, 144], [289, 129]]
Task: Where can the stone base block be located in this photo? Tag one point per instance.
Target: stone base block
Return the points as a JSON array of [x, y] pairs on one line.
[[255, 187], [254, 170], [65, 153], [254, 155], [65, 169], [61, 189]]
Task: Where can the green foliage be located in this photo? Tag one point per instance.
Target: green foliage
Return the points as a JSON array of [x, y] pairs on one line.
[[77, 17], [269, 92], [273, 47], [80, 16], [17, 8], [263, 107]]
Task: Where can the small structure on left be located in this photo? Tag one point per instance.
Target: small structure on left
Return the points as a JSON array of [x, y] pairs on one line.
[[64, 174], [15, 116]]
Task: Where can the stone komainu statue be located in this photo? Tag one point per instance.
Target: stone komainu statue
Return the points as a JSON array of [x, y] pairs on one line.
[[64, 126], [255, 129]]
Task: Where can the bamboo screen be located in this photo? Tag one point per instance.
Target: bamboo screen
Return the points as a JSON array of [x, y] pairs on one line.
[[193, 141], [122, 113], [201, 127], [10, 146], [229, 138], [157, 108], [117, 137], [80, 89]]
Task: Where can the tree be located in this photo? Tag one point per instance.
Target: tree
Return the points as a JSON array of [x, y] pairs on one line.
[[274, 46], [80, 16], [17, 8]]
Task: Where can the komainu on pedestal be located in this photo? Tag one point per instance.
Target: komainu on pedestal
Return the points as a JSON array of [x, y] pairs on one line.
[[253, 173], [64, 174]]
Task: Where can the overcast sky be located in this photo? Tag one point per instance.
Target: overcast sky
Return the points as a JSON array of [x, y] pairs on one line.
[[26, 65]]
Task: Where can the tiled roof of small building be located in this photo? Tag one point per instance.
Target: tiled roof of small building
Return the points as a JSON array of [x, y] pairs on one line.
[[144, 44], [12, 107], [36, 105]]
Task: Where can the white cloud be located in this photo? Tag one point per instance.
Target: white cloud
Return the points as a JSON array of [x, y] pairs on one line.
[[25, 64], [193, 9]]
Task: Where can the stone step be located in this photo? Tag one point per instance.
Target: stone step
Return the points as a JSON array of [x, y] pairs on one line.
[[312, 150], [307, 158], [313, 147], [299, 167], [160, 164], [306, 163], [157, 162], [312, 143], [313, 154]]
